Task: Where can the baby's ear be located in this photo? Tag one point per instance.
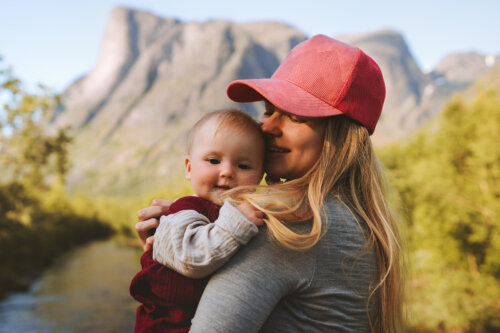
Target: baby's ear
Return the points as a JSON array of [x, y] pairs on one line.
[[187, 168]]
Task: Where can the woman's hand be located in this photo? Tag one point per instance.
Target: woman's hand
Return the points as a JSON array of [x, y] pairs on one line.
[[251, 213], [148, 221]]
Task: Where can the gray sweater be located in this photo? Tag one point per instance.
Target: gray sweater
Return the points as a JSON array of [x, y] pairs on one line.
[[268, 288]]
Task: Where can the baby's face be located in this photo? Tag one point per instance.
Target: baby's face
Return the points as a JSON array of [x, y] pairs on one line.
[[223, 161]]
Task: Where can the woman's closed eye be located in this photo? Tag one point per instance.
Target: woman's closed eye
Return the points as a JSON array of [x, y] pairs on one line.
[[269, 109], [268, 113], [297, 119]]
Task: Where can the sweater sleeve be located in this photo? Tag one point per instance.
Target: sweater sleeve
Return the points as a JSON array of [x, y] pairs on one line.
[[187, 242]]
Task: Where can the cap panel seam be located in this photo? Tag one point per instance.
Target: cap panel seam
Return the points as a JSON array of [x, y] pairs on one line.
[[321, 99], [349, 80]]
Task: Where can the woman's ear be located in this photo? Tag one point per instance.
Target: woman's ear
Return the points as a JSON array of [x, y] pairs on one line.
[[187, 168]]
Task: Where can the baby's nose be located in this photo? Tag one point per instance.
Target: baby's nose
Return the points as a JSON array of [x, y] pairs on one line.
[[227, 170]]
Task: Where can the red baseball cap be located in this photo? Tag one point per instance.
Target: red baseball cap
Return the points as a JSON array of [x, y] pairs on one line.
[[321, 77]]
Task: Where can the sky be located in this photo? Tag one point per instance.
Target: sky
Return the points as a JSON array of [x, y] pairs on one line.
[[56, 41]]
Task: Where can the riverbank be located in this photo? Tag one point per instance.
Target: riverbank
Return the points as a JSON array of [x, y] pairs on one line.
[[84, 290], [34, 232], [28, 250]]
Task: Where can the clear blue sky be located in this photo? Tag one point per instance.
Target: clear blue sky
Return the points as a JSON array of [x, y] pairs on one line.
[[55, 41]]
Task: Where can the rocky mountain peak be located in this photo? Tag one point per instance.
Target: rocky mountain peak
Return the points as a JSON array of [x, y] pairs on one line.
[[154, 77], [464, 68]]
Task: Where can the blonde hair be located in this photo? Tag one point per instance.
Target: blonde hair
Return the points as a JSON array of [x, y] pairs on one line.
[[349, 171], [228, 119]]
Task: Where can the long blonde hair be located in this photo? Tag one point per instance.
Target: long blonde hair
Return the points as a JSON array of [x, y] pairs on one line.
[[349, 171]]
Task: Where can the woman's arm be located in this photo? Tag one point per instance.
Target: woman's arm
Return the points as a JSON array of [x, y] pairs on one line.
[[187, 242]]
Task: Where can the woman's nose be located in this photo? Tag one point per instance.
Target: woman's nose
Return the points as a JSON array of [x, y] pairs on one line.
[[272, 125]]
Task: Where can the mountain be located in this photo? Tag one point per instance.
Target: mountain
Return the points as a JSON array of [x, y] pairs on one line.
[[465, 68], [154, 77], [413, 97]]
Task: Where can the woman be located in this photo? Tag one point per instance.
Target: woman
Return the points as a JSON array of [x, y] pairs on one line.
[[332, 263]]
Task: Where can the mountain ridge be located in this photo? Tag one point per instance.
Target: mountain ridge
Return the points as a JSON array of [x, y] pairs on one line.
[[154, 77]]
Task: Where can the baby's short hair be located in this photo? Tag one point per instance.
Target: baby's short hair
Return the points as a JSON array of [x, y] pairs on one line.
[[234, 119]]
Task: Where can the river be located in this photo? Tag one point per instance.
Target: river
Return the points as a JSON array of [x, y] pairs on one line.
[[85, 290]]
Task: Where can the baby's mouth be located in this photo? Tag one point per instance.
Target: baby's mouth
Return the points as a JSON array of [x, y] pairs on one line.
[[223, 187]]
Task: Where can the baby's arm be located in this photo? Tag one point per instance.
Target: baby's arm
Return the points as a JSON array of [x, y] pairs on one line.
[[187, 242]]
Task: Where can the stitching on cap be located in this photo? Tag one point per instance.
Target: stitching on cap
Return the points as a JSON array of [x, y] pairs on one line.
[[342, 91], [349, 80], [321, 99]]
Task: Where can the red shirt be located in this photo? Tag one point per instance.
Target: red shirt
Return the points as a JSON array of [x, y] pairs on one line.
[[169, 299]]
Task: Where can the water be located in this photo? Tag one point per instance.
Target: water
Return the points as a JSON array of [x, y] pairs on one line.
[[86, 290]]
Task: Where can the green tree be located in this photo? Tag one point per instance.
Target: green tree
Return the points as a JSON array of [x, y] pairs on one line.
[[37, 221], [28, 154], [448, 185]]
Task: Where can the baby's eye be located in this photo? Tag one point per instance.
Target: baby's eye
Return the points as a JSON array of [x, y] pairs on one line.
[[213, 161], [244, 166]]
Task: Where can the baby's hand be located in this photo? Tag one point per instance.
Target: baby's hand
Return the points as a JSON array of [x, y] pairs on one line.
[[251, 213]]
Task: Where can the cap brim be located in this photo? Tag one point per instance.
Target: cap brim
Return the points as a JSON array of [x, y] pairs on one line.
[[283, 94]]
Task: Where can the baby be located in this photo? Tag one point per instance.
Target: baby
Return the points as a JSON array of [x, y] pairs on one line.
[[226, 149]]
